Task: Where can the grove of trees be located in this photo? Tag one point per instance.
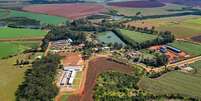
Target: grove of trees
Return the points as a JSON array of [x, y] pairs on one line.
[[39, 81]]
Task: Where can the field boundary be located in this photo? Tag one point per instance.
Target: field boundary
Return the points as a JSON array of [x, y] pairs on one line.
[[21, 39]]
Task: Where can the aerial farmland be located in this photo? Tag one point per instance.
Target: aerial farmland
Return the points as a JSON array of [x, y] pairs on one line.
[[100, 50]]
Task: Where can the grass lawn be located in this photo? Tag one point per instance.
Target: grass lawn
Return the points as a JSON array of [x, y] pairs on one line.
[[137, 36], [65, 97], [12, 48], [77, 80], [20, 33], [175, 82], [197, 66], [195, 21], [109, 37], [189, 47], [10, 78], [47, 19]]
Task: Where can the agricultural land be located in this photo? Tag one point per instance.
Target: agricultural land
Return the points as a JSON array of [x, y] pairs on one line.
[[100, 50], [175, 83], [12, 33], [137, 36], [45, 19], [182, 27]]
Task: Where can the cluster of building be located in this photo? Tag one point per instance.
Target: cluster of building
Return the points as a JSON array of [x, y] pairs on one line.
[[173, 54], [60, 46], [68, 77], [72, 63]]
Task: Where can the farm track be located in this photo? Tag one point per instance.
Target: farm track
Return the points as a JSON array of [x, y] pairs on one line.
[[96, 67], [173, 65], [21, 39]]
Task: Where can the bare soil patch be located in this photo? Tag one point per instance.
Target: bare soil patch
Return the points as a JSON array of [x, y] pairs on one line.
[[96, 67], [72, 10]]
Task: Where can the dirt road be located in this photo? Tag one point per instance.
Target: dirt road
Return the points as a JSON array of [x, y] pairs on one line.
[[173, 65], [188, 61]]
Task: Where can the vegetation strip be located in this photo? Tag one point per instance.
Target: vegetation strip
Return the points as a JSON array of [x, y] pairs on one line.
[[41, 77]]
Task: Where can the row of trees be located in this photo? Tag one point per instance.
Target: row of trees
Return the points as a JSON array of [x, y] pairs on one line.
[[38, 84], [21, 22], [140, 29], [22, 62], [85, 25]]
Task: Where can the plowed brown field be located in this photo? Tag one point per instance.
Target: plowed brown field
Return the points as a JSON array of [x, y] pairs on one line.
[[71, 11], [96, 67]]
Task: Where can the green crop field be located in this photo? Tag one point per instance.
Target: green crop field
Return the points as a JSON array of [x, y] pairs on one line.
[[189, 47], [47, 19], [12, 48], [137, 36], [181, 27], [109, 37], [184, 29], [195, 21], [151, 11], [20, 33], [11, 76], [176, 82], [65, 97], [197, 66], [77, 80]]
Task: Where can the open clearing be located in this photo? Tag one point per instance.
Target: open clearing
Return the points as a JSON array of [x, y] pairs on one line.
[[181, 27], [6, 33], [72, 11], [96, 67], [165, 10], [12, 76], [137, 36], [46, 19], [188, 47], [12, 48], [109, 37]]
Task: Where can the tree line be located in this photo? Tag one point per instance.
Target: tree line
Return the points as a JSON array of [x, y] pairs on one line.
[[21, 22], [163, 38], [39, 81]]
